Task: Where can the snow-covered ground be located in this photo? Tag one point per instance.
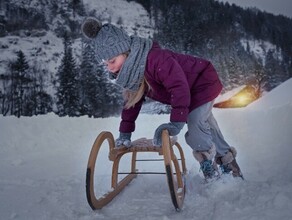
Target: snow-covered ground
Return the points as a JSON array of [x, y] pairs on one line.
[[43, 162]]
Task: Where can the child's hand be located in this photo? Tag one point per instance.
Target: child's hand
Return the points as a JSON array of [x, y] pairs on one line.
[[124, 140], [173, 129]]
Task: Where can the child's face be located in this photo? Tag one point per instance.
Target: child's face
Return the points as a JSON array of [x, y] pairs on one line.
[[115, 64]]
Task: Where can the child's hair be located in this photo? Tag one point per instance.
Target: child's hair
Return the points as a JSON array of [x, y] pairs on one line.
[[132, 97]]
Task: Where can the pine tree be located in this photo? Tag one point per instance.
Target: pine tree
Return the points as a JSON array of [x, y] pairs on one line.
[[78, 7], [274, 70], [100, 97], [40, 101], [88, 83], [23, 90], [4, 94], [113, 99], [19, 84], [67, 88], [260, 79]]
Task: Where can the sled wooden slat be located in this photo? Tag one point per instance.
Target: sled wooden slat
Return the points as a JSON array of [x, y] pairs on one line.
[[123, 150], [174, 179]]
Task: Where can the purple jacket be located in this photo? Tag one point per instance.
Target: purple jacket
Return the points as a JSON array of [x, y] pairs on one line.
[[182, 81]]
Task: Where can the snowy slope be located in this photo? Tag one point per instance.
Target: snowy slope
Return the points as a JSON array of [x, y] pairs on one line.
[[43, 163], [276, 98], [128, 14]]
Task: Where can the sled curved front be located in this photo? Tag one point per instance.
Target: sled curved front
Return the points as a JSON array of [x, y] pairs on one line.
[[175, 180], [117, 188]]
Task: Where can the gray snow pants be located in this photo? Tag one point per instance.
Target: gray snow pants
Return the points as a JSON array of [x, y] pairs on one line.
[[203, 131]]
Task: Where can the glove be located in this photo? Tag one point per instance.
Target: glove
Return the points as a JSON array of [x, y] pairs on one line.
[[173, 129], [124, 140]]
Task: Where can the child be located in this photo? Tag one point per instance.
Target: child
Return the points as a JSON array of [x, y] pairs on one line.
[[189, 84]]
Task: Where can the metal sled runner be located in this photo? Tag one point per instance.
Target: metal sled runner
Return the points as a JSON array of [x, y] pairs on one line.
[[174, 170]]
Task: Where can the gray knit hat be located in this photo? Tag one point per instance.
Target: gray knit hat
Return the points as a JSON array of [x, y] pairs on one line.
[[110, 41]]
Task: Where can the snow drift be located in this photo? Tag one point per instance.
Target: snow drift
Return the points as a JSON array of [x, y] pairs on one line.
[[43, 163]]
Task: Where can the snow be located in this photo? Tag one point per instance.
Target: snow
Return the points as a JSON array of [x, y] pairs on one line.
[[43, 162], [129, 14], [36, 50], [276, 98], [260, 49]]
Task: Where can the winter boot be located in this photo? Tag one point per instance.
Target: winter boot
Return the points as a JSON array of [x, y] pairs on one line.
[[228, 163], [205, 158]]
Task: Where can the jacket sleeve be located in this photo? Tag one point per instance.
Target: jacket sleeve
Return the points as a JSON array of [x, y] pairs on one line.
[[173, 79], [129, 117]]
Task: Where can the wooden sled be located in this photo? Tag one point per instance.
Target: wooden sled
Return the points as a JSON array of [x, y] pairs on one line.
[[175, 179]]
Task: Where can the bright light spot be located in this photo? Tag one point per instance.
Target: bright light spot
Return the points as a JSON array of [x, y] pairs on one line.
[[239, 100], [242, 99]]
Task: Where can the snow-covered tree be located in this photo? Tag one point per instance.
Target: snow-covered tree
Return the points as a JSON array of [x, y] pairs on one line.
[[68, 85], [20, 80], [99, 97]]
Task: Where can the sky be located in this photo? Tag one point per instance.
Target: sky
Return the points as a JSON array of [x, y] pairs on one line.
[[283, 7], [43, 161]]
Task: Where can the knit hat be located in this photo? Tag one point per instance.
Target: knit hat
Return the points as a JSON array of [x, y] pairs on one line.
[[110, 41]]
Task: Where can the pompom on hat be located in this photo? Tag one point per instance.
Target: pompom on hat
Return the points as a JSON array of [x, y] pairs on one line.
[[110, 41]]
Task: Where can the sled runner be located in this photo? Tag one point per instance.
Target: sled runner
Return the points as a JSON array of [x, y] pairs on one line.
[[174, 170]]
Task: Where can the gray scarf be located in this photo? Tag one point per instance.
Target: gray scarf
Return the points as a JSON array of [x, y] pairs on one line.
[[132, 72]]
